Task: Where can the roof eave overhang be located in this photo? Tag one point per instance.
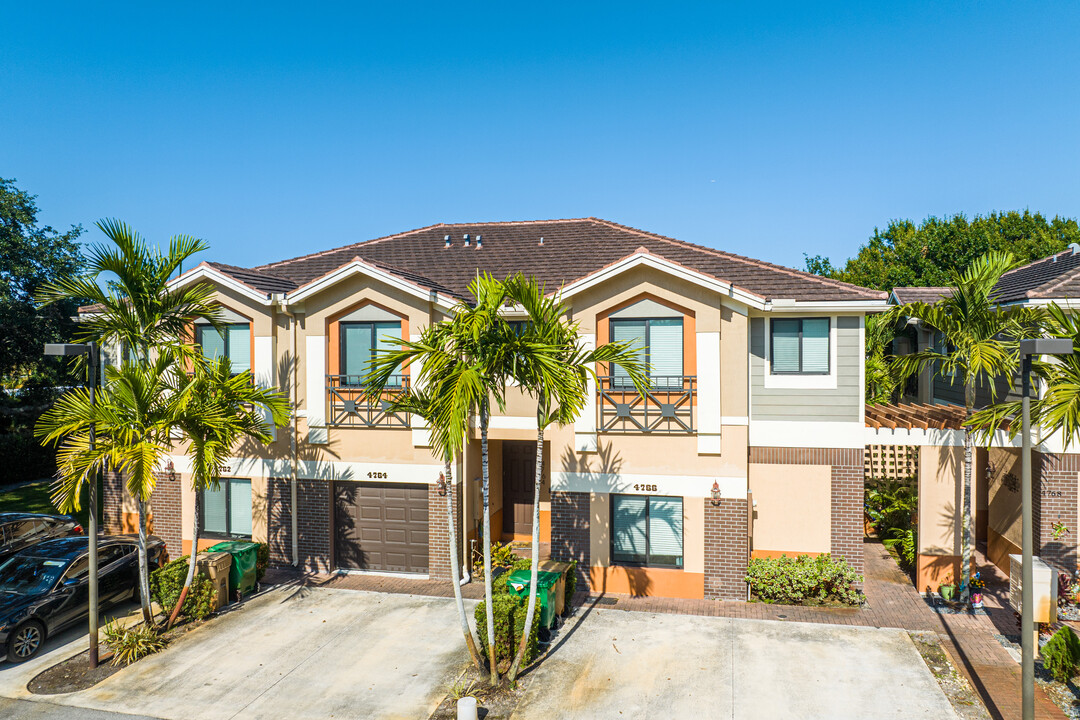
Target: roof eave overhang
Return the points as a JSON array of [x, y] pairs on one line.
[[853, 306], [359, 267], [649, 260], [206, 272]]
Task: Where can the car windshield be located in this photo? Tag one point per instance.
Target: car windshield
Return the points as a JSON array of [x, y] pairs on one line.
[[29, 575]]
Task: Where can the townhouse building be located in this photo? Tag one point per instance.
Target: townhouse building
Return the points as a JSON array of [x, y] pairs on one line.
[[749, 441]]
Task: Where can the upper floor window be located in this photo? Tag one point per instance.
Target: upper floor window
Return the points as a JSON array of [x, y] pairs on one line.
[[360, 341], [658, 343], [800, 346], [233, 342]]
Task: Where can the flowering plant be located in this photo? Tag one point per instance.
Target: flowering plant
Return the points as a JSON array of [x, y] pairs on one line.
[[977, 583]]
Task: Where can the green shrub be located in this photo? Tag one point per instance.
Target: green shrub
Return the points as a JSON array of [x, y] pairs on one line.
[[571, 586], [262, 560], [1061, 655], [131, 643], [903, 541], [509, 611], [798, 580], [167, 581], [891, 505]]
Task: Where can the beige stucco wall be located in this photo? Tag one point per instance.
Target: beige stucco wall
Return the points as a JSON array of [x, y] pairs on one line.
[[793, 512], [940, 474]]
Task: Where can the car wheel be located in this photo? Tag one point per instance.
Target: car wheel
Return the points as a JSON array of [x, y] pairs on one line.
[[25, 641]]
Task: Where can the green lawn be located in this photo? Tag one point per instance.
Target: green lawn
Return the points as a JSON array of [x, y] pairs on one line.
[[35, 498]]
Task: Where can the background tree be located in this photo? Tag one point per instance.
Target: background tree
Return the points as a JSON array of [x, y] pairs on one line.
[[30, 256], [882, 383], [927, 254], [980, 345]]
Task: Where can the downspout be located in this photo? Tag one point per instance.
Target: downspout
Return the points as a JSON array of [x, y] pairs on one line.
[[293, 459]]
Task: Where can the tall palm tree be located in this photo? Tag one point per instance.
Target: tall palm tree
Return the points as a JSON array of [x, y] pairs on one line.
[[427, 405], [222, 410], [980, 345], [554, 367], [137, 311], [132, 417], [469, 358]]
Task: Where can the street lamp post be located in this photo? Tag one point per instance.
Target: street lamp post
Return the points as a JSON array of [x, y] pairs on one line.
[[93, 360], [1029, 349]]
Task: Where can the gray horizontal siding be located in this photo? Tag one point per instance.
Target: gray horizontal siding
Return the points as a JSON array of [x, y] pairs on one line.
[[946, 390], [832, 405]]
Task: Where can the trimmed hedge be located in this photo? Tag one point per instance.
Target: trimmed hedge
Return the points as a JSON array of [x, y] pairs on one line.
[[262, 560], [795, 581], [167, 581], [509, 611], [1061, 655]]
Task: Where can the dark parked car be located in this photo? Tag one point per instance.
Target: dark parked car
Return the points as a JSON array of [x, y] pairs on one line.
[[44, 588], [21, 530]]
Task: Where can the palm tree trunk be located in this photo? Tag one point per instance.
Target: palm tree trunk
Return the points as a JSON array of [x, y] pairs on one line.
[[965, 513], [470, 641], [531, 611], [191, 566], [144, 568], [488, 606]]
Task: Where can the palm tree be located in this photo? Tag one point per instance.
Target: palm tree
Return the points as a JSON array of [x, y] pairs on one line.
[[132, 417], [467, 361], [446, 432], [554, 367], [137, 311], [980, 345], [222, 410]]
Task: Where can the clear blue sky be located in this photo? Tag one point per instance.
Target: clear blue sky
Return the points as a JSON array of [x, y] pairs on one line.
[[768, 129]]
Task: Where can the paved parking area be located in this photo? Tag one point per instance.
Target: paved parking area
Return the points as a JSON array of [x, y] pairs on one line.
[[295, 652], [617, 664]]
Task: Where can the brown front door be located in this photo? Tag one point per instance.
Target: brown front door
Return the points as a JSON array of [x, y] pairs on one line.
[[518, 477]]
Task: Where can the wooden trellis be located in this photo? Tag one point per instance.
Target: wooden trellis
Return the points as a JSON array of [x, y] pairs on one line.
[[891, 462]]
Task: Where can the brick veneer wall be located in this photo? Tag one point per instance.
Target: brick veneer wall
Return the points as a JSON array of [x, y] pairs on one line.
[[570, 530], [1054, 499], [112, 503], [313, 522], [727, 548], [166, 515], [438, 532]]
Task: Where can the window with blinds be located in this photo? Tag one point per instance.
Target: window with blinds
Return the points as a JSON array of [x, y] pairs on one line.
[[799, 346], [658, 343], [226, 511], [233, 342], [647, 530], [360, 341]]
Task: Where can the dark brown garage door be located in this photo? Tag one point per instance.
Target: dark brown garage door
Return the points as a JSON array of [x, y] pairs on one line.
[[381, 526]]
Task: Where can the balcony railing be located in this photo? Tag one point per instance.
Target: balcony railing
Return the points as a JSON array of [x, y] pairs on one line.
[[351, 407], [667, 406]]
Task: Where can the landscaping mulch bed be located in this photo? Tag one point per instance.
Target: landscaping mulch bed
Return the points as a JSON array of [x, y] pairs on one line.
[[1065, 695], [492, 703], [74, 674], [965, 701]]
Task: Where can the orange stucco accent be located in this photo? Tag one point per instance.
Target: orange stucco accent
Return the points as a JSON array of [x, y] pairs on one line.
[[129, 522], [204, 543], [545, 526], [932, 570], [662, 582], [333, 334]]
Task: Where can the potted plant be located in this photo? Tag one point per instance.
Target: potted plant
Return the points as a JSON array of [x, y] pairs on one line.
[[977, 587], [947, 590]]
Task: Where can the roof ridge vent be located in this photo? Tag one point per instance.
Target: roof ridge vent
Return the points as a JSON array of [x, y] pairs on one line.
[[446, 241], [466, 240], [479, 241]]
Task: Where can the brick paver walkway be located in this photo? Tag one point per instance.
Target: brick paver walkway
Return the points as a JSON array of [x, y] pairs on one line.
[[892, 602]]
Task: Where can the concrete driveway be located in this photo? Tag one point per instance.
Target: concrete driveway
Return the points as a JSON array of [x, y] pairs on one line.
[[617, 664], [295, 653]]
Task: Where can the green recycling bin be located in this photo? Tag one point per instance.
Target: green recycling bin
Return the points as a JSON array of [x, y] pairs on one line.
[[518, 583], [242, 571]]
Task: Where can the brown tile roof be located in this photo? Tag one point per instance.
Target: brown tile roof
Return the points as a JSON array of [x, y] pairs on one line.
[[905, 295], [571, 249], [1057, 276]]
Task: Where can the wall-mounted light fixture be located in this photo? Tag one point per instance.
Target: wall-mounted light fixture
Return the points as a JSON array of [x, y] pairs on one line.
[[440, 486], [170, 470], [715, 493]]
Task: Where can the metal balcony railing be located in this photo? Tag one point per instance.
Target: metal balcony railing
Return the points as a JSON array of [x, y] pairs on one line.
[[351, 407], [666, 407]]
